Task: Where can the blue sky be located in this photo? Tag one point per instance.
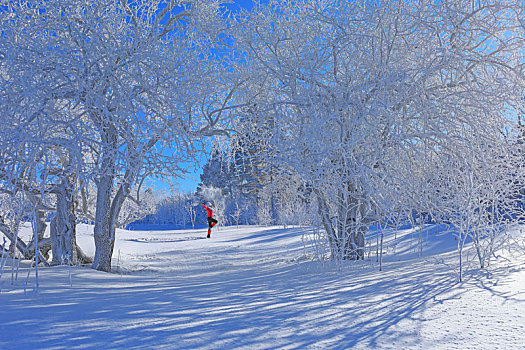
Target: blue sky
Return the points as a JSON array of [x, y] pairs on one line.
[[237, 4]]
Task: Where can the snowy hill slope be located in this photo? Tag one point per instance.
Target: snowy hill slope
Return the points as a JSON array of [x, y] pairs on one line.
[[256, 288]]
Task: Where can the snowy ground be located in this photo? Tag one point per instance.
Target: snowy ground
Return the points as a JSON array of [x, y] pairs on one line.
[[253, 288]]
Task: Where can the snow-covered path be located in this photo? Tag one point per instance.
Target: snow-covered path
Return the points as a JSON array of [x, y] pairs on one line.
[[251, 288]]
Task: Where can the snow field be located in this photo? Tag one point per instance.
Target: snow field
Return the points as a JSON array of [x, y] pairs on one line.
[[253, 288]]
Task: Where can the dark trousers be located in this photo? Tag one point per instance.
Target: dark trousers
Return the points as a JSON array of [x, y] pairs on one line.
[[211, 223]]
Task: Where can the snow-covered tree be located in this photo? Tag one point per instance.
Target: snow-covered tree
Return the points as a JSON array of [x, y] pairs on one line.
[[353, 88], [218, 172], [190, 206], [137, 84], [42, 138], [137, 206]]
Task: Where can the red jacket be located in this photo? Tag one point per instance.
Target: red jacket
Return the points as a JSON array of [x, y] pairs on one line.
[[208, 210]]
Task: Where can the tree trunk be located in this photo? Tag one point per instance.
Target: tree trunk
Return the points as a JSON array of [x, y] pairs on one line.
[[44, 244], [104, 231], [63, 230], [108, 210], [15, 240], [325, 220], [347, 239], [106, 220], [477, 244], [28, 252], [358, 242], [351, 230], [63, 227]]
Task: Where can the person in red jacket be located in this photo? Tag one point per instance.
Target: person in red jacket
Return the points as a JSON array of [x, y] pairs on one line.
[[211, 220]]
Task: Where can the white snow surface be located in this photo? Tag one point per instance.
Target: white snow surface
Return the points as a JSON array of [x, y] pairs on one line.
[[253, 287]]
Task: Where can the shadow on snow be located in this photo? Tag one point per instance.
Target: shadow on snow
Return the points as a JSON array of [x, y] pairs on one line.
[[232, 305]]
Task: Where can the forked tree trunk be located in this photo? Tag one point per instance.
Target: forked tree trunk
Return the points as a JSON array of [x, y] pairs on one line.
[[107, 207], [106, 220], [44, 244], [63, 229], [347, 238], [351, 229]]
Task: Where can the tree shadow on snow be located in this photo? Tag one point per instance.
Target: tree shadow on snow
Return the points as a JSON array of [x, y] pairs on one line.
[[414, 243], [270, 235], [246, 303], [295, 307]]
